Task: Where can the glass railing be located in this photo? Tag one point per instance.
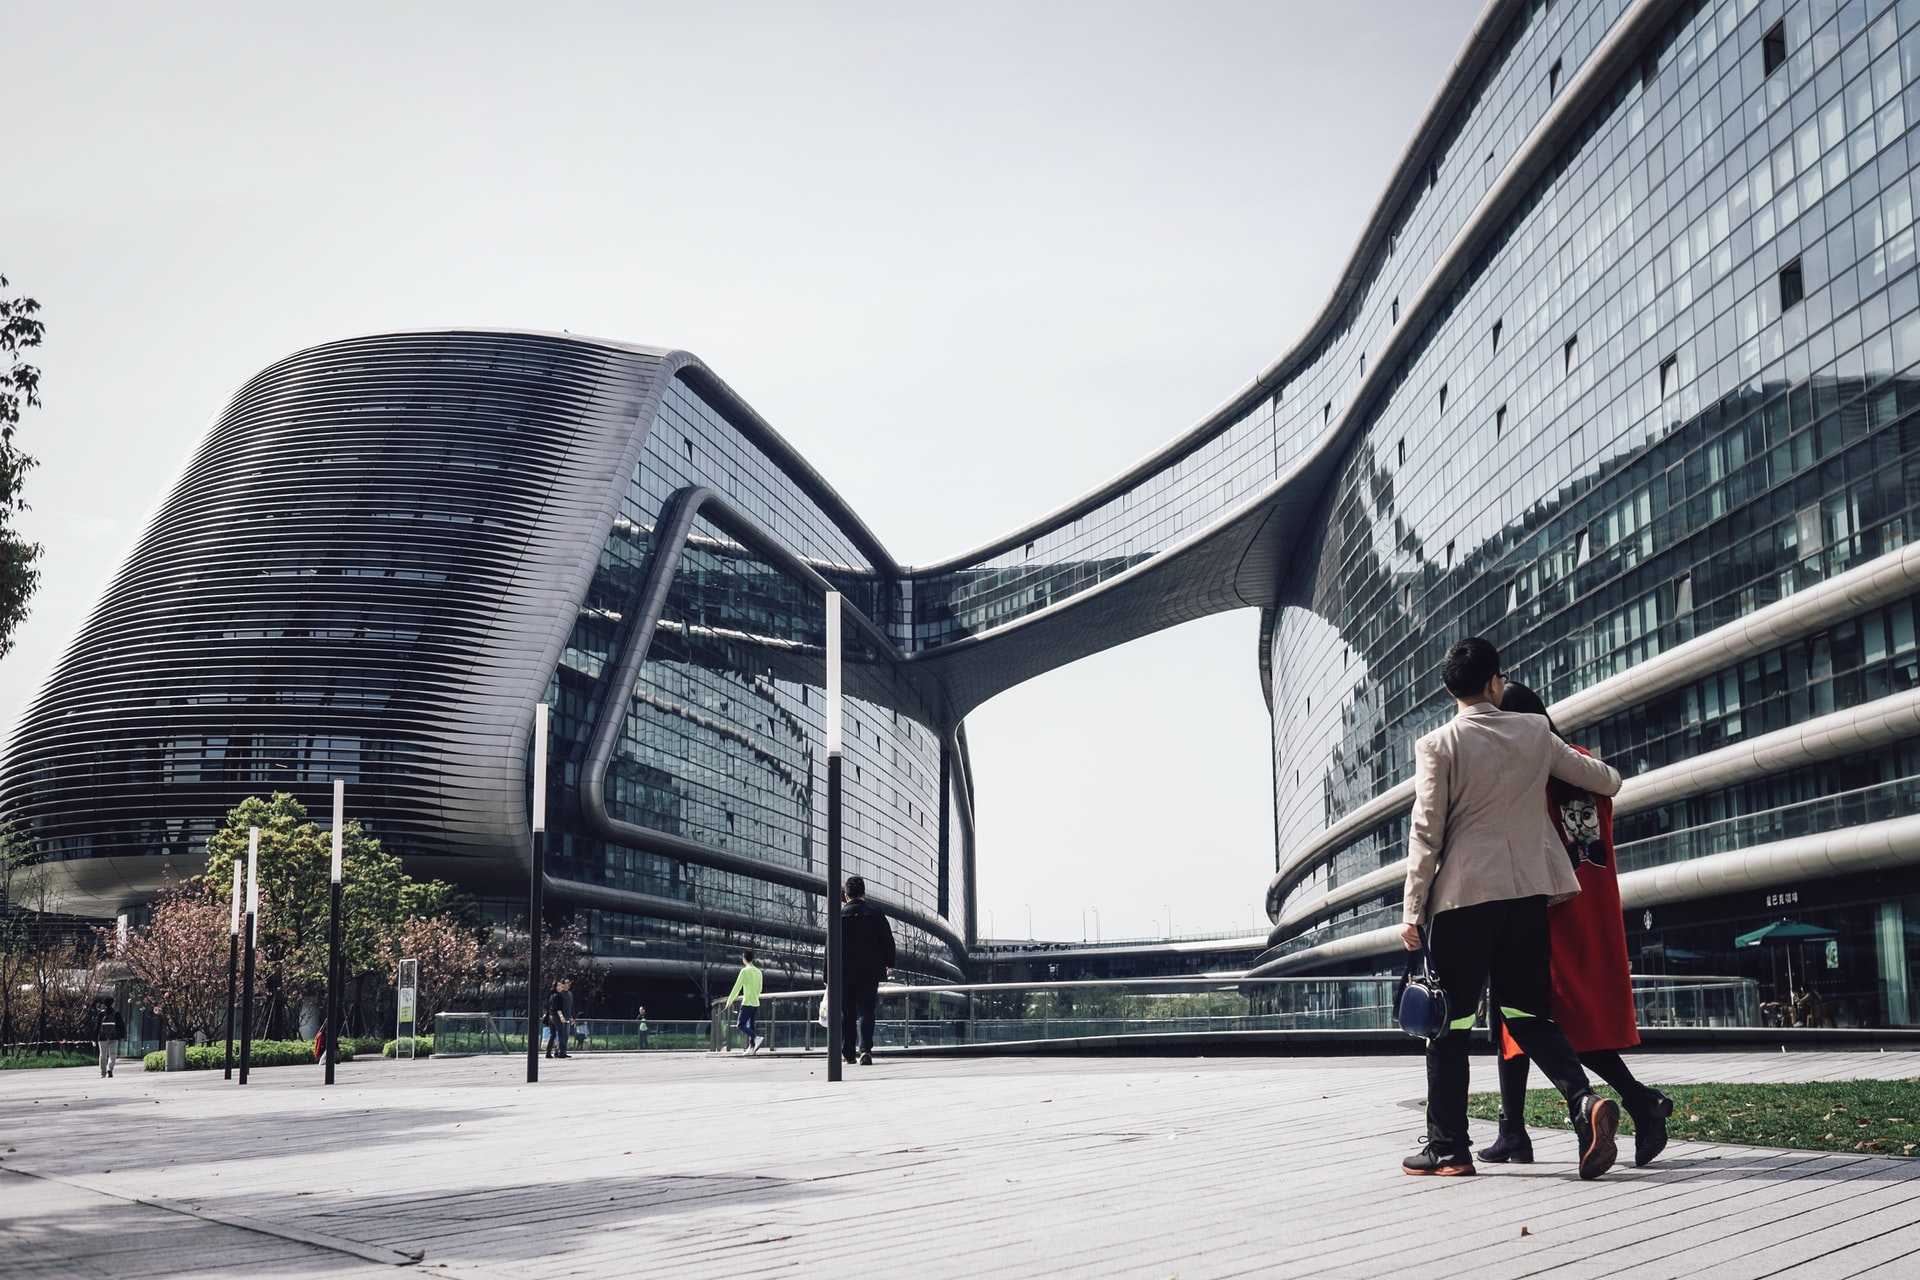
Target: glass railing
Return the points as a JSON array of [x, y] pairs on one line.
[[1829, 813], [464, 1034], [1016, 1013], [1007, 1013]]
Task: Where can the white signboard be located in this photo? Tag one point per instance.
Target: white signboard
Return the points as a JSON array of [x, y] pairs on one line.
[[403, 1030]]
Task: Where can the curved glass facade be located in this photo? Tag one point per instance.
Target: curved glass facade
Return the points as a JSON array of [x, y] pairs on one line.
[[1680, 388], [1622, 375]]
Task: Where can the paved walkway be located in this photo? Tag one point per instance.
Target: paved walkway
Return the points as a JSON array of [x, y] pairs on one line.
[[687, 1165]]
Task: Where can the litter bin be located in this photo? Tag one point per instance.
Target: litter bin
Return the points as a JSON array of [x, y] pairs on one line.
[[176, 1055]]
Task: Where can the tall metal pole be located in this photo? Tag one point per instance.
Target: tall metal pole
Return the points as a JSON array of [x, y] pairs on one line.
[[333, 928], [246, 961], [536, 877], [835, 976], [233, 961]]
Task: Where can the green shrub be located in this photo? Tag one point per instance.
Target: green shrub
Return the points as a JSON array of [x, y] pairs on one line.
[[28, 1061], [422, 1047], [264, 1053]]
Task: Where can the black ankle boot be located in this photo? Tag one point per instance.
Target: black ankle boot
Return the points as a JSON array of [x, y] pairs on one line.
[[1513, 1146], [1650, 1128]]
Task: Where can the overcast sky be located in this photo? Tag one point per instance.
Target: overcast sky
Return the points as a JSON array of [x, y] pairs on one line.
[[1053, 235]]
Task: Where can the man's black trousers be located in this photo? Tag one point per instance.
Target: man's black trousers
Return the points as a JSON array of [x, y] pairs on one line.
[[857, 1009], [1504, 943]]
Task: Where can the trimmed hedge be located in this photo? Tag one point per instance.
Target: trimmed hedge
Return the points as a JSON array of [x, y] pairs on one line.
[[34, 1061], [422, 1047], [265, 1053]]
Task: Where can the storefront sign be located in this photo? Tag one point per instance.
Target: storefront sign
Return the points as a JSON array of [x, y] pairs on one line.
[[1833, 954], [1786, 898]]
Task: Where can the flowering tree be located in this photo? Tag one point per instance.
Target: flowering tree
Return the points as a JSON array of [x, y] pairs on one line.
[[451, 962], [180, 962], [565, 955]]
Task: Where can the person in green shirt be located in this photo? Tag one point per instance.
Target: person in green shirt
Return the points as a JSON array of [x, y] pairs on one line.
[[746, 989]]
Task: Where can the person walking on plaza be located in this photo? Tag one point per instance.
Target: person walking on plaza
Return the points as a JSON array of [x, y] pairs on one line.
[[866, 950], [746, 989], [560, 1018], [106, 1035], [1483, 864], [1592, 983]]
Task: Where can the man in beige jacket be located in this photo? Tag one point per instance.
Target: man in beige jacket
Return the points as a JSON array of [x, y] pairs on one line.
[[1483, 865]]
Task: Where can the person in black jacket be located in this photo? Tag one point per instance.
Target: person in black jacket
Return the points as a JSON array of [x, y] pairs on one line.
[[867, 951], [560, 1018], [106, 1035]]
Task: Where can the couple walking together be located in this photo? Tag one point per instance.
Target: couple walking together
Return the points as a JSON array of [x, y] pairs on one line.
[[1511, 882]]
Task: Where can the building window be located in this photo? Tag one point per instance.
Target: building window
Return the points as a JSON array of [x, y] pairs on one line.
[[1649, 71], [1326, 414], [1669, 376], [1363, 364], [1793, 285], [1553, 78], [1403, 451], [1396, 311], [688, 442], [1572, 352], [1500, 422], [1433, 174], [1582, 549], [1449, 555], [1773, 47], [1683, 594], [1029, 548], [1443, 397], [1406, 597], [1513, 595], [1497, 326]]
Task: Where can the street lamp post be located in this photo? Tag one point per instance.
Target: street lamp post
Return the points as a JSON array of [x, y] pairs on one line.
[[233, 962], [333, 930], [246, 960], [1169, 923], [1096, 924], [834, 994], [1029, 907], [536, 877]]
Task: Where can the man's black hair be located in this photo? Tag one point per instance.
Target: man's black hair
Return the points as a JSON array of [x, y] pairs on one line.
[[747, 955], [1471, 664], [856, 887]]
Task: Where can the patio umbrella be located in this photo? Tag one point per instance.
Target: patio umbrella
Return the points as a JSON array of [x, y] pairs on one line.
[[1787, 933]]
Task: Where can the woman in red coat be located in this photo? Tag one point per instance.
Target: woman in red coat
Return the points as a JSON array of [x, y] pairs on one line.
[[1592, 985]]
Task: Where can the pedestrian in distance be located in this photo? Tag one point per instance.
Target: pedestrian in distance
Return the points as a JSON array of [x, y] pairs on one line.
[[1483, 865], [106, 1036], [1592, 982], [866, 953], [746, 989], [560, 1018]]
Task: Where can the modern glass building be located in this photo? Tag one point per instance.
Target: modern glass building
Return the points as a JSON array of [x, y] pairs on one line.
[[1621, 373]]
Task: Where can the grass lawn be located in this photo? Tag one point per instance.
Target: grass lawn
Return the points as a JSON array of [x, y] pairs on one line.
[[26, 1061], [1881, 1117]]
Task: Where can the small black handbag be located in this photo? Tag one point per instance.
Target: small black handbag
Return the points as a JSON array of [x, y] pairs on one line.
[[1425, 1011]]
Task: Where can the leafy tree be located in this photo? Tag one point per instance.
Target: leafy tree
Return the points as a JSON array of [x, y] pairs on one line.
[[18, 858], [20, 332], [451, 962], [296, 857], [179, 960]]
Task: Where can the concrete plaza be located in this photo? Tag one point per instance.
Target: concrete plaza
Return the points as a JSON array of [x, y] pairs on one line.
[[698, 1166]]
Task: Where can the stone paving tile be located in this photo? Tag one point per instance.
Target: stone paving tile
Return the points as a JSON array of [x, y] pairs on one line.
[[695, 1166]]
